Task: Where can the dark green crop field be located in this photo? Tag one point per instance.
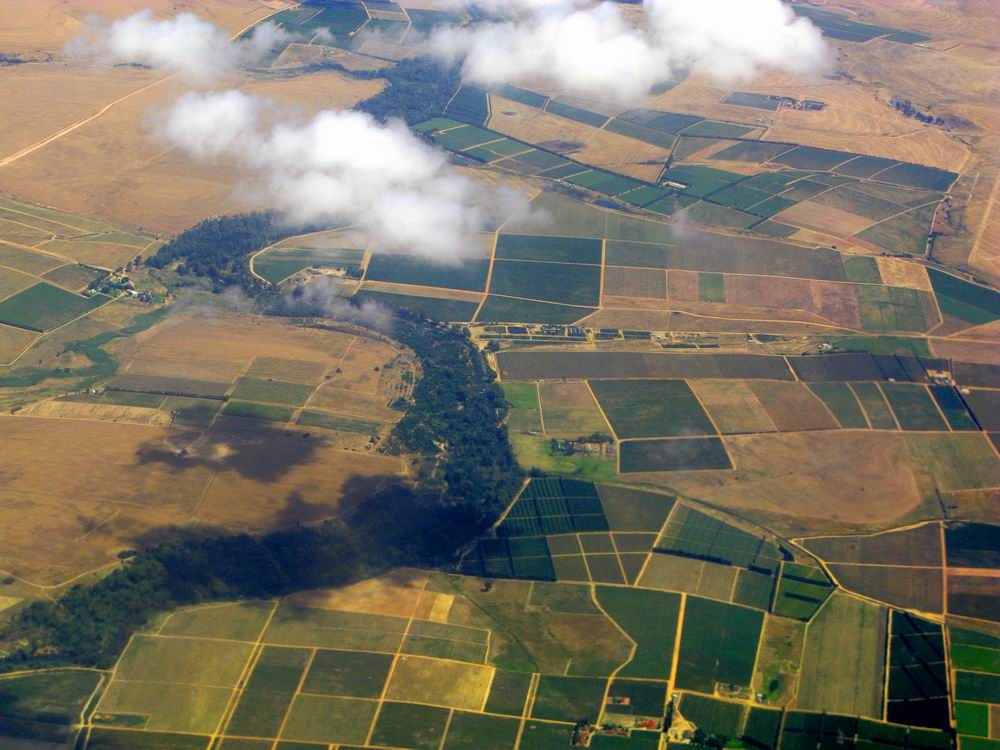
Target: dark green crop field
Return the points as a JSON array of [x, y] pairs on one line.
[[465, 273], [652, 408], [718, 644], [674, 454], [556, 249], [44, 306], [568, 283]]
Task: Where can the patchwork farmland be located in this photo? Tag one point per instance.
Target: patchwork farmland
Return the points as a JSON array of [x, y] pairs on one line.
[[702, 450], [682, 605]]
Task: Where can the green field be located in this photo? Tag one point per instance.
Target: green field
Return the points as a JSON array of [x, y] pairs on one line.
[[410, 725], [650, 619], [568, 698], [906, 233], [44, 306], [263, 412], [651, 408], [576, 113], [512, 310], [429, 307], [470, 731], [840, 400], [464, 273], [913, 406], [720, 720], [567, 283], [839, 682], [960, 299], [271, 391], [339, 423], [555, 249], [718, 644], [675, 454], [508, 692], [875, 405], [55, 697], [802, 589], [469, 104]]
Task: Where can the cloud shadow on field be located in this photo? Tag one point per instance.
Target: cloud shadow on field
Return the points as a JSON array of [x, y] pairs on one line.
[[258, 451]]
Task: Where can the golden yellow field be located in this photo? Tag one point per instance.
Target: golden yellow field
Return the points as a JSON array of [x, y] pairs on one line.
[[113, 476], [113, 166]]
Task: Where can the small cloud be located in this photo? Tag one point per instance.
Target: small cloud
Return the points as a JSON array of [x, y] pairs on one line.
[[184, 45], [597, 50]]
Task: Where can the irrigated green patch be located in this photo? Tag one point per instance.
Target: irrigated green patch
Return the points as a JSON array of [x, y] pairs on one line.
[[969, 302], [429, 307], [718, 644], [410, 725], [568, 698], [556, 249], [568, 283], [802, 589], [650, 619], [470, 731], [44, 306], [50, 697], [508, 692], [652, 408], [272, 391], [875, 405], [278, 669], [913, 406], [465, 273], [354, 674], [315, 718], [905, 233], [674, 454], [263, 412], [839, 399], [511, 310]]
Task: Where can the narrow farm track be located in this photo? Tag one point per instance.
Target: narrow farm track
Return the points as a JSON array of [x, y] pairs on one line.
[[7, 161], [76, 125]]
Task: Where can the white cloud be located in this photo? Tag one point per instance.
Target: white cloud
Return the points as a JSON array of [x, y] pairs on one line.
[[186, 45], [342, 166], [595, 49]]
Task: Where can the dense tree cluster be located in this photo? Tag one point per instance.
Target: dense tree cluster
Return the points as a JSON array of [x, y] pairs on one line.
[[218, 248], [416, 90], [457, 417]]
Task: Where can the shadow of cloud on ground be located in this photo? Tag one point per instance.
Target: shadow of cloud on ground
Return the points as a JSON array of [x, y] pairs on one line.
[[258, 451]]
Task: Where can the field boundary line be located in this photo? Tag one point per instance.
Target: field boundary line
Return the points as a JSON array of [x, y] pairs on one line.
[[43, 334], [676, 655], [529, 704], [51, 221], [444, 733], [489, 274], [861, 406], [395, 660], [892, 411], [618, 558], [291, 703], [947, 422], [944, 570], [649, 555], [7, 161], [886, 663], [237, 690], [600, 409], [541, 411]]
